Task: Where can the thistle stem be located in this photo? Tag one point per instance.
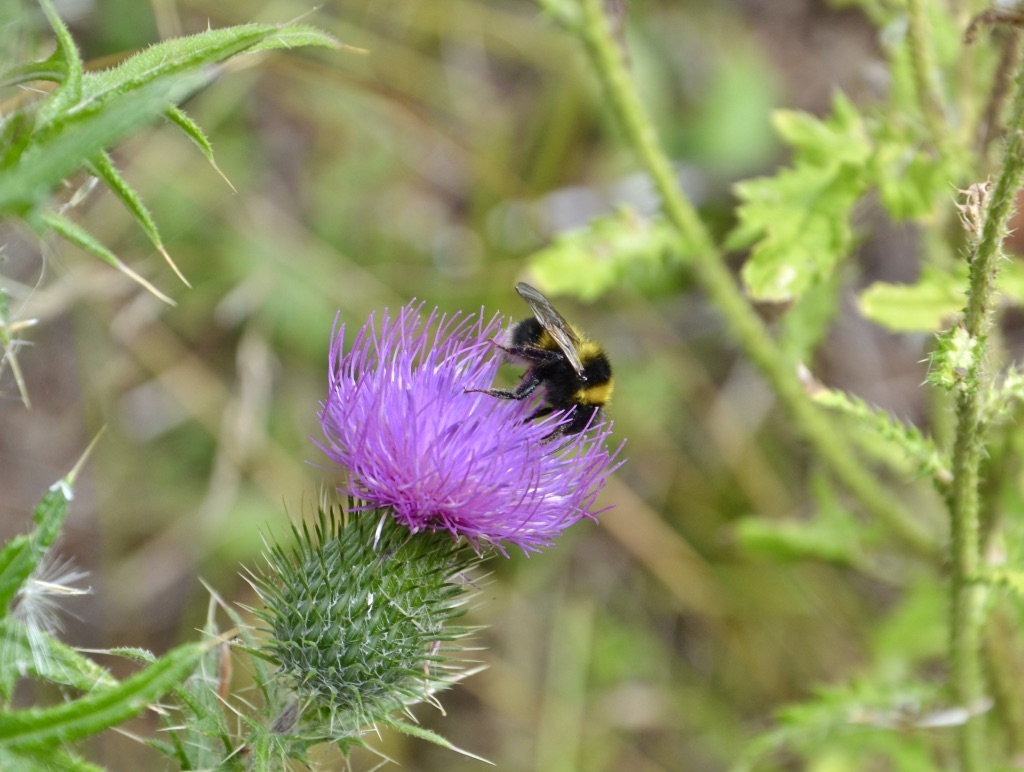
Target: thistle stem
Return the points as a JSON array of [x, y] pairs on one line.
[[966, 595], [713, 274], [922, 64]]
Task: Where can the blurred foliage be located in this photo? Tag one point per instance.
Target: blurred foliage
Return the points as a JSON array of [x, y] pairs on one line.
[[453, 147]]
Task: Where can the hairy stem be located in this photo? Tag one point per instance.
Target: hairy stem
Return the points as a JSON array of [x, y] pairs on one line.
[[713, 274], [966, 595]]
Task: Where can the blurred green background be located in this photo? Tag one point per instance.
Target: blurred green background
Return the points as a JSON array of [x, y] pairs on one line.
[[429, 160]]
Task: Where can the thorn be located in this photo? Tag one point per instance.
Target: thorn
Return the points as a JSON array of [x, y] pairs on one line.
[[171, 263]]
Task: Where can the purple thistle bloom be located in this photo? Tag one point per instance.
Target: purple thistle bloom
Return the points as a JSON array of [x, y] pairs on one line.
[[398, 417]]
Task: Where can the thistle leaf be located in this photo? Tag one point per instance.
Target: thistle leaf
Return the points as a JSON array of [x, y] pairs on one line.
[[589, 261], [797, 222], [80, 237], [103, 167], [889, 438], [100, 709]]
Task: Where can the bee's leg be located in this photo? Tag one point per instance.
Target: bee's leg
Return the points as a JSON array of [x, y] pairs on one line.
[[539, 413], [539, 356], [580, 418], [524, 389]]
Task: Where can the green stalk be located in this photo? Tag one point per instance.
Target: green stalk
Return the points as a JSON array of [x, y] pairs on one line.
[[922, 63], [714, 276], [966, 595]]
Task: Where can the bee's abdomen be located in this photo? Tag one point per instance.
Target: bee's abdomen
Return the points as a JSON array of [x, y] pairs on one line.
[[598, 394]]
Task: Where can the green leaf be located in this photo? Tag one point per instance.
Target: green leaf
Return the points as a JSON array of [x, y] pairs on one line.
[[45, 760], [925, 306], [804, 326], [70, 61], [831, 536], [20, 556], [1003, 397], [935, 298], [909, 180], [589, 261], [15, 136], [39, 654], [199, 731], [840, 139], [1010, 281], [1006, 578], [52, 155], [191, 130], [80, 237], [52, 69], [144, 656], [915, 630], [795, 540], [103, 167], [852, 726], [887, 437], [426, 734], [89, 112], [99, 710], [293, 36], [180, 56], [798, 221]]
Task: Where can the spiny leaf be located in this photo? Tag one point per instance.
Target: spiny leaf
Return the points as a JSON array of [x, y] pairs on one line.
[[101, 709], [1002, 397], [9, 343], [192, 130], [53, 155], [80, 237], [103, 167], [183, 55], [426, 734], [297, 36], [48, 759], [905, 440], [53, 68], [39, 654], [20, 556], [855, 722], [70, 89]]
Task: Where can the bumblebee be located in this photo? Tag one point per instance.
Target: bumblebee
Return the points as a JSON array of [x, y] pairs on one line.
[[573, 371]]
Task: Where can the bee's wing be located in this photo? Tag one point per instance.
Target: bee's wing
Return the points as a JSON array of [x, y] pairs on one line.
[[557, 327]]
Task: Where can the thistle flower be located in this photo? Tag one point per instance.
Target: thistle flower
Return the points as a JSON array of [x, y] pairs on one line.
[[399, 418]]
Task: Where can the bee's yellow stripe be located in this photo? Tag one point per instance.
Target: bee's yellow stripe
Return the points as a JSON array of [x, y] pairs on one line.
[[599, 394]]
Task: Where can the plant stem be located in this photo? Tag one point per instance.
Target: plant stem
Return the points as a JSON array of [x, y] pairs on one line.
[[966, 595], [712, 273], [922, 63]]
